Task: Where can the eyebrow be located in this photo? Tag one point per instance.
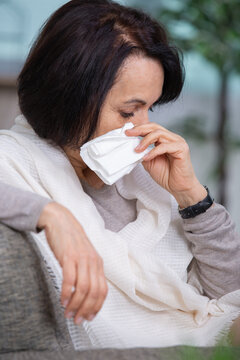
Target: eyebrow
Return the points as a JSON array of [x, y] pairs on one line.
[[139, 101]]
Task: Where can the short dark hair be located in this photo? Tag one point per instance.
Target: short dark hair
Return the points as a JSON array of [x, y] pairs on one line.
[[74, 62]]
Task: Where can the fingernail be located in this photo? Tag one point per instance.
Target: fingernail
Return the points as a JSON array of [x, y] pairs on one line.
[[79, 320], [91, 317], [69, 314], [138, 147]]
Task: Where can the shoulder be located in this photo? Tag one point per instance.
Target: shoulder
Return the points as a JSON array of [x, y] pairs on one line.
[[16, 162], [11, 144], [12, 150]]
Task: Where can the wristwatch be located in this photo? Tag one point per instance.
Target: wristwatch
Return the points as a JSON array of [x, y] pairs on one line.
[[199, 208]]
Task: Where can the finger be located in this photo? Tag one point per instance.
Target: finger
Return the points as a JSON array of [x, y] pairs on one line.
[[87, 309], [176, 149], [81, 289], [154, 137], [103, 290], [69, 280], [144, 129]]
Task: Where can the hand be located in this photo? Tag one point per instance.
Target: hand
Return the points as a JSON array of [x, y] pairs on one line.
[[82, 266], [169, 163]]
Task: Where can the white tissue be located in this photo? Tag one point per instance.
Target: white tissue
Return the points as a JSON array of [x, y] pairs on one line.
[[112, 155]]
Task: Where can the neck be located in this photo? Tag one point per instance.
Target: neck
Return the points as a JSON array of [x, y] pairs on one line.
[[82, 170], [92, 179]]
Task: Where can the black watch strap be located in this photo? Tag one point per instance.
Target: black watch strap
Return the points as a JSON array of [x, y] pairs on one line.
[[199, 208]]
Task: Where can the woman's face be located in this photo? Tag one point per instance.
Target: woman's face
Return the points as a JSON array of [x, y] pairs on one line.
[[138, 87]]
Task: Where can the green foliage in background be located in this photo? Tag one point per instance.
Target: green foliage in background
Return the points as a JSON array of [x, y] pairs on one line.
[[219, 353], [222, 351], [211, 29]]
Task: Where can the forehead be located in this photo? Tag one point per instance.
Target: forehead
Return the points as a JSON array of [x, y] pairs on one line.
[[139, 77]]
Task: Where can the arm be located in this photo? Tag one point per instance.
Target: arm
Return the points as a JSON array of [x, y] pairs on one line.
[[214, 240], [82, 266], [215, 245], [20, 209]]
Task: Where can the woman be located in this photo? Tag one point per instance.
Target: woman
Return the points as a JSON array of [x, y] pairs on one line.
[[95, 66]]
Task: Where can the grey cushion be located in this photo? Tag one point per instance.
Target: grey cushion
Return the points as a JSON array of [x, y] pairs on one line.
[[28, 319]]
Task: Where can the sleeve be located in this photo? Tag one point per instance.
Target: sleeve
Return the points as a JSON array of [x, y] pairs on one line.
[[20, 209], [22, 198], [215, 245]]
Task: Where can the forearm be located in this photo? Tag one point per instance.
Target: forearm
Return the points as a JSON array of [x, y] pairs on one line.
[[216, 248], [20, 209]]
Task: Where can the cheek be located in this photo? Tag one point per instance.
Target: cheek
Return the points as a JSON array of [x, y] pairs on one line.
[[109, 120]]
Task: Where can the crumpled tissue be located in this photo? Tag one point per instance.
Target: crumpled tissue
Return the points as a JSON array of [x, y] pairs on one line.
[[112, 155]]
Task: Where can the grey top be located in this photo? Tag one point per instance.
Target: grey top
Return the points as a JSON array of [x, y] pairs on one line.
[[214, 241], [116, 211], [20, 209]]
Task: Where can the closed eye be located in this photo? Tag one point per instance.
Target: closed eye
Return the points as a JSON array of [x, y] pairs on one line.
[[127, 115]]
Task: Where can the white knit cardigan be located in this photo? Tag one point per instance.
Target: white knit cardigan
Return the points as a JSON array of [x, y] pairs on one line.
[[152, 300]]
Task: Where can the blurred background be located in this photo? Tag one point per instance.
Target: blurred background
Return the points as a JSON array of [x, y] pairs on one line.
[[206, 114]]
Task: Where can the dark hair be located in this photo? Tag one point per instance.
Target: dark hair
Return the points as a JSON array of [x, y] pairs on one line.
[[74, 63]]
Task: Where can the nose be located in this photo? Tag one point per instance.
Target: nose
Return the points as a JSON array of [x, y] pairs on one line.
[[142, 118]]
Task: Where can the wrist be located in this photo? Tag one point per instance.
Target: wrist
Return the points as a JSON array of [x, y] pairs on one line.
[[190, 197], [47, 215]]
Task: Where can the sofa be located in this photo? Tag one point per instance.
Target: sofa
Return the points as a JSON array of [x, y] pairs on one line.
[[32, 324]]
